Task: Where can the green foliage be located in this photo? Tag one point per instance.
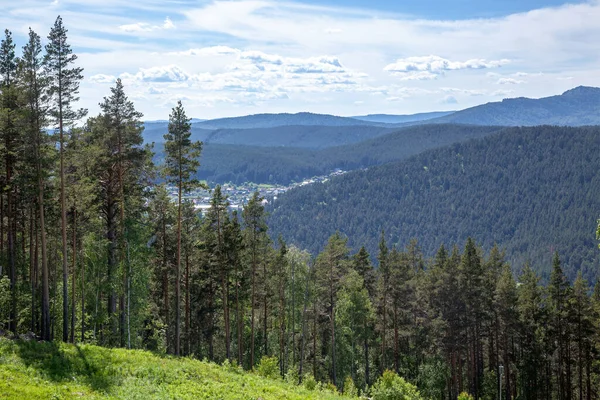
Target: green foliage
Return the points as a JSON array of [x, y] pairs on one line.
[[268, 367], [490, 386], [349, 388], [390, 386], [432, 379], [465, 396], [309, 382], [31, 370]]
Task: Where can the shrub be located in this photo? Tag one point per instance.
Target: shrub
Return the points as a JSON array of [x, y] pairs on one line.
[[309, 382], [465, 396], [268, 367], [390, 386], [291, 376], [349, 387]]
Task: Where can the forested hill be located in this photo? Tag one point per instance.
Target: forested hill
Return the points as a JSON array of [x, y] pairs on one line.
[[401, 119], [283, 119], [530, 190], [576, 107], [233, 163]]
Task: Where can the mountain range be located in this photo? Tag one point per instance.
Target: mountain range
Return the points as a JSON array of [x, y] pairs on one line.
[[576, 107]]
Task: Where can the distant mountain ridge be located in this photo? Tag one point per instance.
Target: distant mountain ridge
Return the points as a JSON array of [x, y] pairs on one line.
[[576, 107], [283, 119], [402, 118]]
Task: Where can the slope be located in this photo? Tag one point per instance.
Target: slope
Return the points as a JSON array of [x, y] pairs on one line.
[[576, 107], [31, 370], [309, 136], [283, 119], [233, 163], [401, 119], [531, 190]]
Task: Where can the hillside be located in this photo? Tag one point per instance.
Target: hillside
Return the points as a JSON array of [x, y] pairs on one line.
[[309, 136], [401, 119], [234, 163], [531, 190], [283, 119], [576, 107], [31, 370]]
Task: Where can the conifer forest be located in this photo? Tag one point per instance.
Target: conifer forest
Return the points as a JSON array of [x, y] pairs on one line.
[[99, 245]]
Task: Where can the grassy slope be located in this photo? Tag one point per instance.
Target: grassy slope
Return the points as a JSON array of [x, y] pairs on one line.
[[31, 370]]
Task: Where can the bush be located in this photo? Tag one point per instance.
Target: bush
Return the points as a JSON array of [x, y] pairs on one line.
[[291, 376], [309, 382], [268, 367], [390, 386], [465, 396], [349, 387]]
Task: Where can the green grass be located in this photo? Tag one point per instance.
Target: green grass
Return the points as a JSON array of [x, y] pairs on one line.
[[31, 370]]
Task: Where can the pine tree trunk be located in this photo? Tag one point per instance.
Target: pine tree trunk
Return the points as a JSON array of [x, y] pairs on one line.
[[63, 218], [178, 273], [265, 315], [32, 265], [74, 255], [45, 273], [187, 304], [396, 349], [112, 266], [82, 302], [238, 319], [165, 283], [253, 299]]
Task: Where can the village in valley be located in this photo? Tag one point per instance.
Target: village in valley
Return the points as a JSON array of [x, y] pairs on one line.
[[239, 195]]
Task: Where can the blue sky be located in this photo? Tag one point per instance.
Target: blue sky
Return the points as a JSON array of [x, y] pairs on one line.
[[229, 58]]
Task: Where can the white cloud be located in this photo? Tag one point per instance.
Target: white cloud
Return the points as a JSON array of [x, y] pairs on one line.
[[417, 76], [429, 67], [102, 78], [168, 73], [250, 51], [467, 92], [448, 100], [206, 51], [154, 90], [147, 27], [502, 93], [438, 64], [509, 81]]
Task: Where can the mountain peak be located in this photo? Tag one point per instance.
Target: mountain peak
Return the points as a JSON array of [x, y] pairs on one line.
[[582, 91]]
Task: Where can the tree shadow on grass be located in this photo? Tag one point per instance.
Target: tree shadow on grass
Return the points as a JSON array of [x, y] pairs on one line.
[[76, 364]]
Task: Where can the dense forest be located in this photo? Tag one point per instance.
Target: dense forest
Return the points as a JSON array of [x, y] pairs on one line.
[[237, 164], [533, 191], [94, 252]]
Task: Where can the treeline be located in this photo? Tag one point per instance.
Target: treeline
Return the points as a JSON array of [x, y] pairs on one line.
[[96, 253], [533, 190]]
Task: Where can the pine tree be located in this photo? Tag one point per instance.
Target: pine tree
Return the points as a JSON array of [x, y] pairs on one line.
[[254, 238], [332, 264], [10, 136], [384, 284], [63, 89], [181, 164]]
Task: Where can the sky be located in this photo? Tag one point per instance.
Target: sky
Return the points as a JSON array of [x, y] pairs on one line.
[[351, 57]]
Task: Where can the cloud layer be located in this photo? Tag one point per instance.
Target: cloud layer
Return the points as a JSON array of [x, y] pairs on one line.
[[245, 56]]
